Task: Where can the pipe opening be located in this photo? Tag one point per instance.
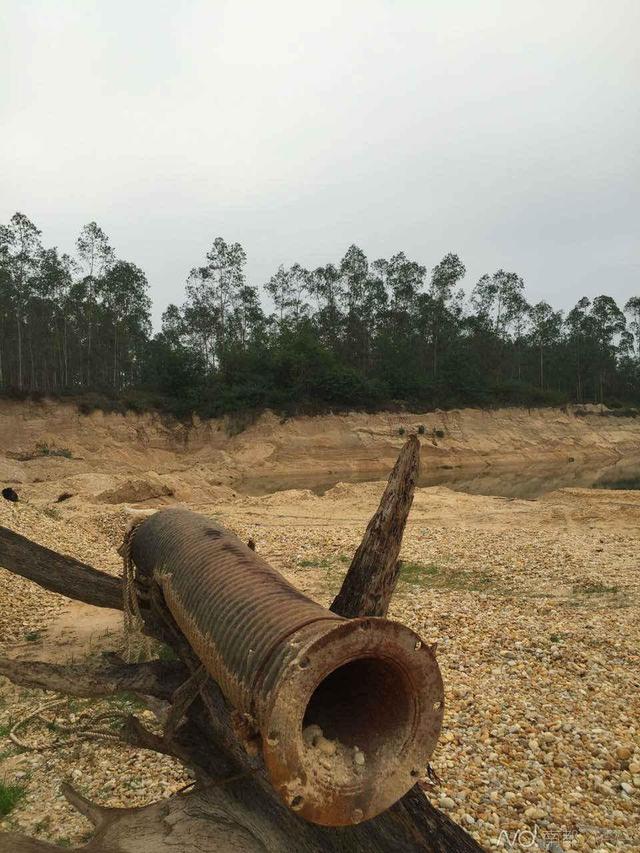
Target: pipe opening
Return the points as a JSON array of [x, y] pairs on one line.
[[366, 703]]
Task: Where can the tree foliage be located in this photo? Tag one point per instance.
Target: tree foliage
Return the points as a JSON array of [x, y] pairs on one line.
[[355, 333]]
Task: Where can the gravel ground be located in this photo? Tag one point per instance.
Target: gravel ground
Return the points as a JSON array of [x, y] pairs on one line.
[[533, 605]]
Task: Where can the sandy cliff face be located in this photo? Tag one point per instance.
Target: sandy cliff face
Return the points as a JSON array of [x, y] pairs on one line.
[[146, 458]]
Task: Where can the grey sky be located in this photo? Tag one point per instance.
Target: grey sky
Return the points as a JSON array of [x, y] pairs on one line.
[[505, 131]]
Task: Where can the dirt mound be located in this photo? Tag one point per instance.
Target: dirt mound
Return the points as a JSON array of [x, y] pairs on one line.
[[289, 496], [136, 491], [10, 472], [355, 491]]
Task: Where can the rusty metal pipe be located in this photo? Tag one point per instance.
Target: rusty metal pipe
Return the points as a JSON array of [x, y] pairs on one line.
[[371, 685]]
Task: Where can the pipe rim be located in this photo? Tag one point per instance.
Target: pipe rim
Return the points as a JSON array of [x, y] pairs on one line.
[[399, 754]]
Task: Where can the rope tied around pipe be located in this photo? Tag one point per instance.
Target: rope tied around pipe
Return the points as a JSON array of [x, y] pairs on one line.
[[137, 644]]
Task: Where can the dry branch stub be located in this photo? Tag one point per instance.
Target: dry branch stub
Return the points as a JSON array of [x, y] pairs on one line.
[[368, 689]]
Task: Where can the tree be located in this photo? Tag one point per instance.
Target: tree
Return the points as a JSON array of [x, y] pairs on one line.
[[56, 283], [577, 323], [20, 250], [128, 307], [445, 277], [353, 332], [546, 326], [247, 318], [364, 300], [497, 298], [201, 317], [326, 287], [96, 256], [608, 322], [211, 292], [632, 307], [288, 289]]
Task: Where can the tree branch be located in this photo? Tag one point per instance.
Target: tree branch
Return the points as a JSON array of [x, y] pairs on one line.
[[12, 842], [58, 573], [96, 814], [373, 574], [155, 678]]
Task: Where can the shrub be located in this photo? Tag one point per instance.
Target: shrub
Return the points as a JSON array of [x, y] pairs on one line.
[[33, 636], [43, 449], [401, 431], [421, 429], [10, 796], [439, 433]]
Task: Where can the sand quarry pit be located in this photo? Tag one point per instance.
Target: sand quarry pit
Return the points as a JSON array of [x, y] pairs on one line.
[[533, 602]]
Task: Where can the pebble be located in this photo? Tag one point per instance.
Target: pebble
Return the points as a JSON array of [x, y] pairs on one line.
[[328, 747], [524, 732], [311, 734], [624, 752], [534, 813]]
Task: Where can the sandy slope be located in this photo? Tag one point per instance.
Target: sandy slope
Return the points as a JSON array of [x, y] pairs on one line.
[[143, 457]]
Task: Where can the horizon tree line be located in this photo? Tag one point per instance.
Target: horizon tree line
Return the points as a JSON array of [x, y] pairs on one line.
[[357, 332]]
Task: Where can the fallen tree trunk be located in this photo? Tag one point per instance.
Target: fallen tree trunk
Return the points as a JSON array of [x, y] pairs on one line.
[[154, 678], [232, 806], [57, 573]]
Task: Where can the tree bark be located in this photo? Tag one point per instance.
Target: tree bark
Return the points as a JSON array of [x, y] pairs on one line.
[[232, 807], [372, 576], [112, 675], [57, 573]]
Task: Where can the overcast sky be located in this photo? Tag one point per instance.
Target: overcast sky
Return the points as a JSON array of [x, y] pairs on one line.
[[507, 132]]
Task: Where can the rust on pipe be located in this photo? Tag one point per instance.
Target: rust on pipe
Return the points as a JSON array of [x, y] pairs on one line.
[[370, 685]]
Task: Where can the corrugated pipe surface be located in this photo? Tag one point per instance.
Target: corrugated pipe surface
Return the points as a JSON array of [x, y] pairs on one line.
[[349, 709]]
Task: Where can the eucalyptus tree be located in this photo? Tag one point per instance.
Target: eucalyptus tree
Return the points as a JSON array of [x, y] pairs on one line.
[[211, 292], [399, 339], [173, 325], [289, 287], [546, 329], [403, 279], [127, 311], [325, 286], [446, 302], [50, 310], [6, 307], [608, 323], [96, 256], [201, 318], [499, 302], [350, 331], [364, 299], [225, 277], [20, 251], [578, 325], [246, 320], [632, 307], [497, 298]]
